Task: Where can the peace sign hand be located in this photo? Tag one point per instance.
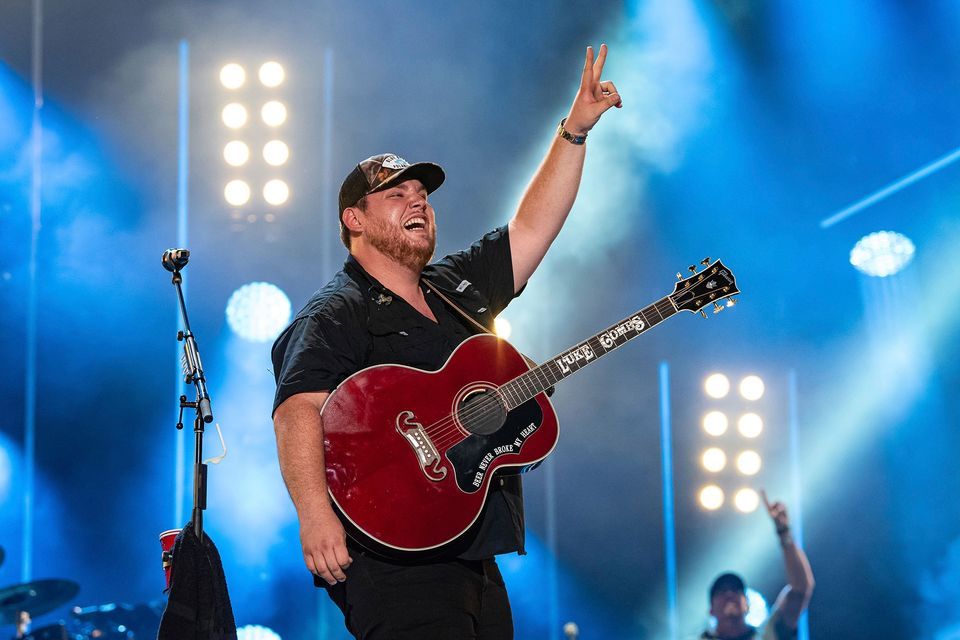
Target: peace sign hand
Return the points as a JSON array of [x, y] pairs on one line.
[[594, 97]]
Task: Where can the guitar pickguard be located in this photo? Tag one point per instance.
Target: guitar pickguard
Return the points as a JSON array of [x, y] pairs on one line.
[[473, 458]]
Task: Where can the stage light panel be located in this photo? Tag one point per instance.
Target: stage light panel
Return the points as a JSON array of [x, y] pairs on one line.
[[882, 253], [746, 500], [752, 388], [236, 153], [272, 74], [717, 385], [237, 193], [276, 192], [750, 425], [232, 76], [276, 153], [234, 115], [749, 462], [713, 459], [715, 423], [711, 497], [274, 113], [258, 311], [502, 328]]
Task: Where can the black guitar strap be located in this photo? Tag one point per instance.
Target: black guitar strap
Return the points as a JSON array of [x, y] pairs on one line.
[[450, 303], [531, 363]]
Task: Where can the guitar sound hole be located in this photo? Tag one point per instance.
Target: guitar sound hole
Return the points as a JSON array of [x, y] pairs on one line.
[[481, 412]]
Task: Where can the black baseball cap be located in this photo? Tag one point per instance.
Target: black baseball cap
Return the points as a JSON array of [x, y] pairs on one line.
[[385, 170], [727, 582]]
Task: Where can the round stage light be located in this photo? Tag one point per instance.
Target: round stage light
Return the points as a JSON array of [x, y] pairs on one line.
[[713, 459], [715, 423], [258, 311], [232, 76], [752, 388], [274, 113], [237, 193], [750, 425], [749, 463], [236, 153], [717, 385], [882, 253], [758, 608], [276, 152], [711, 497], [746, 500], [272, 74], [502, 327], [234, 115], [276, 192], [256, 632]]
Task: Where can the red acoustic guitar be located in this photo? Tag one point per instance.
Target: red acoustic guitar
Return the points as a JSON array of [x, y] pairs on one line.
[[410, 454]]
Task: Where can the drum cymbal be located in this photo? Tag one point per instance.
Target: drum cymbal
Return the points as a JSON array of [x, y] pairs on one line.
[[35, 598]]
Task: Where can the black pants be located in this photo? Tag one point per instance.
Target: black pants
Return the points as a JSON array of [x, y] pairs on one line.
[[456, 600]]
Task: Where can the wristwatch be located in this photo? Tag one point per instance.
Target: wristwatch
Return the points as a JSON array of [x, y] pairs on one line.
[[569, 137]]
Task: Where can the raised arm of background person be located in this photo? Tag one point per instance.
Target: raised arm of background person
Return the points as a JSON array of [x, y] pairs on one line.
[[299, 430], [796, 595], [553, 189]]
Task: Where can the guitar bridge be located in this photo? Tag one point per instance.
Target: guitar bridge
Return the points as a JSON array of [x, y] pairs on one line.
[[423, 447]]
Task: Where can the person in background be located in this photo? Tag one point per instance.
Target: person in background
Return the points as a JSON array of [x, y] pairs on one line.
[[728, 593]]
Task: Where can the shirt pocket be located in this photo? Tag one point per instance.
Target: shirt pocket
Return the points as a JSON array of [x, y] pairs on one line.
[[404, 343]]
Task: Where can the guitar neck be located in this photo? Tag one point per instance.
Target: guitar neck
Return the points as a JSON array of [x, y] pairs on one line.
[[541, 378]]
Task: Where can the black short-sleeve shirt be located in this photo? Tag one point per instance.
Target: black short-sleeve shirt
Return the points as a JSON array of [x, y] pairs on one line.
[[354, 322]]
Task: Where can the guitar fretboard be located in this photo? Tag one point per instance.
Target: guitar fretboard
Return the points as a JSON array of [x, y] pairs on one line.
[[541, 378]]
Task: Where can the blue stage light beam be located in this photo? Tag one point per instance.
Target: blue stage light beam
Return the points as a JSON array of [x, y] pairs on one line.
[[891, 189], [525, 577], [663, 65]]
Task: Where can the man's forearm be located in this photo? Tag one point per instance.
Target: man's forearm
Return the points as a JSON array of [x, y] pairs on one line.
[[799, 574], [299, 431], [546, 203]]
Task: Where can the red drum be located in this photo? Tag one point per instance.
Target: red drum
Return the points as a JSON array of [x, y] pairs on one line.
[[167, 538]]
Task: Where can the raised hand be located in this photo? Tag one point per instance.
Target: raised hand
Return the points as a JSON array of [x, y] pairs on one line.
[[594, 97], [778, 513]]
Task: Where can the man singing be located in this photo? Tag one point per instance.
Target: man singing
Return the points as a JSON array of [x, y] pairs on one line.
[[380, 310]]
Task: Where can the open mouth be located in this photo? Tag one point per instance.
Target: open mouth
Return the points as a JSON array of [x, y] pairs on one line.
[[414, 224]]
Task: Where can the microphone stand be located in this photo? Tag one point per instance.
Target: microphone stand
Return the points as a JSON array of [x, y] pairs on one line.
[[193, 374]]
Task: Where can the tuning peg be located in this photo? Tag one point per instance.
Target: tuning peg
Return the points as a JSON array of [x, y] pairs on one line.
[[692, 268], [705, 261], [731, 302], [679, 276], [717, 308], [703, 313]]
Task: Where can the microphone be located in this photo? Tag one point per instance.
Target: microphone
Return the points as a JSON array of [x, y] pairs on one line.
[[571, 631], [175, 259]]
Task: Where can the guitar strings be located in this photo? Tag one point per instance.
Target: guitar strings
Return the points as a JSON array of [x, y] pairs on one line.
[[445, 431]]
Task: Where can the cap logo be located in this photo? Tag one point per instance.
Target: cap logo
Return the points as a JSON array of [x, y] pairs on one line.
[[394, 162]]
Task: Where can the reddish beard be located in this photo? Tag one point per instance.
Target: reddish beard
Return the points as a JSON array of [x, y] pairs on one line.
[[395, 244]]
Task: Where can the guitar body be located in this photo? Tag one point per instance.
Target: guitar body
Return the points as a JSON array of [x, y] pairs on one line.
[[410, 454]]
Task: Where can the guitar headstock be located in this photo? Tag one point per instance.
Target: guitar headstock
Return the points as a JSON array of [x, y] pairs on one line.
[[713, 284]]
